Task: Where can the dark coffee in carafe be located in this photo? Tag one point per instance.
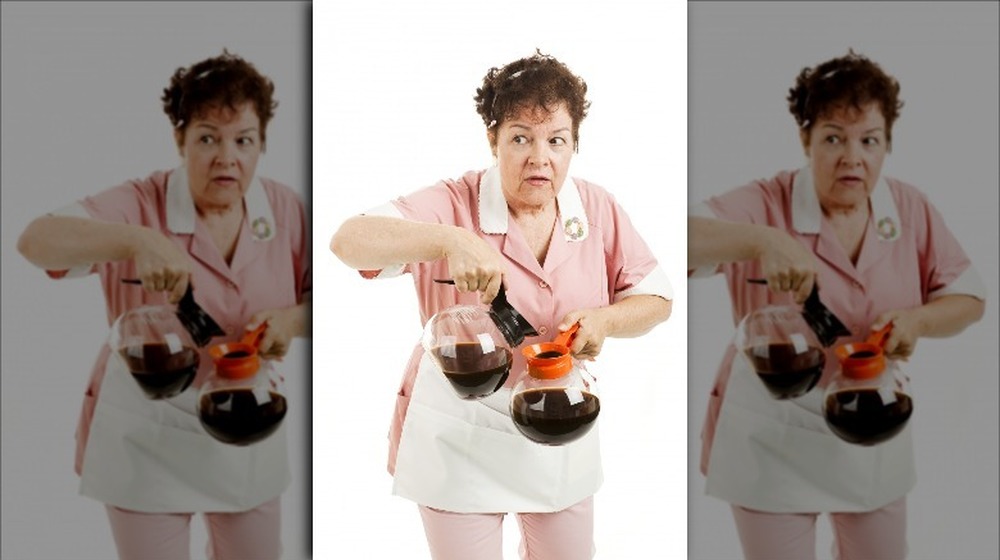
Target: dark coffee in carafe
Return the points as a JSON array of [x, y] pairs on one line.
[[554, 416], [473, 371], [867, 416], [241, 416], [786, 371], [160, 372]]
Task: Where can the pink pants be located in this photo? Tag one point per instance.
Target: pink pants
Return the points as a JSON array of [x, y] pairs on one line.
[[561, 535], [871, 535], [247, 535]]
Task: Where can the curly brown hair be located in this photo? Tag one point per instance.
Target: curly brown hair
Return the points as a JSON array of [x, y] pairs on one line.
[[224, 81], [537, 81], [850, 81]]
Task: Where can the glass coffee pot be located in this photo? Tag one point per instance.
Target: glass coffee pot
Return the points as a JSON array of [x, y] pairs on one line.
[[243, 401], [159, 343], [554, 402], [473, 344], [786, 345], [156, 348], [868, 401]]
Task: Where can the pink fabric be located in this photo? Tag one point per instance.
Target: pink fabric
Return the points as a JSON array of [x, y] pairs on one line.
[[576, 275], [879, 534], [562, 535], [263, 274], [249, 535], [889, 274]]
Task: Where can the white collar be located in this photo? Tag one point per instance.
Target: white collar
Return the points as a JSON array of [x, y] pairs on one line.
[[182, 214], [493, 212], [807, 215]]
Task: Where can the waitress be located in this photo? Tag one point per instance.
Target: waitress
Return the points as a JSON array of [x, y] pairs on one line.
[[240, 241], [881, 253], [565, 253]]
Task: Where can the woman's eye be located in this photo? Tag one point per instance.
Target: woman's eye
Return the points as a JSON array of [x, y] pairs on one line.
[[206, 139], [558, 141], [832, 139], [871, 141], [244, 141], [520, 139]]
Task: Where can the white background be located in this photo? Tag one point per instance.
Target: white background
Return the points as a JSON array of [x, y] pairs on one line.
[[743, 58], [394, 112], [81, 112]]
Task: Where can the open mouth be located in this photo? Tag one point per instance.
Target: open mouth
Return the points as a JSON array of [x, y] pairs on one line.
[[538, 180]]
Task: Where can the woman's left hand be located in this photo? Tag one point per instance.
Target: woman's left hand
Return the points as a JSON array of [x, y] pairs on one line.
[[282, 325], [589, 339], [906, 329]]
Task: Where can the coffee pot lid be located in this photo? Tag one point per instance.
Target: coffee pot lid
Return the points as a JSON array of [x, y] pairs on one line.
[[820, 319], [239, 360], [864, 360], [511, 324], [193, 318]]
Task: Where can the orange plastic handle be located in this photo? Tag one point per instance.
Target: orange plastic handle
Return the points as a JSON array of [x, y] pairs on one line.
[[566, 337], [253, 337], [878, 337]]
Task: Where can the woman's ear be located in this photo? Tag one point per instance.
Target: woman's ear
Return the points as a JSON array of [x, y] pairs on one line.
[[179, 139], [804, 138], [491, 137]]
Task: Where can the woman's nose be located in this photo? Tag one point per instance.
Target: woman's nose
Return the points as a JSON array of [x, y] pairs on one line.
[[852, 154], [539, 154], [226, 155]]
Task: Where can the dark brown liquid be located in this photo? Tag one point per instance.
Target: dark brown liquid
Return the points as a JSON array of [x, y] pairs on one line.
[[862, 354], [786, 373], [235, 416], [548, 416], [161, 373], [237, 354], [471, 372], [862, 417], [550, 354]]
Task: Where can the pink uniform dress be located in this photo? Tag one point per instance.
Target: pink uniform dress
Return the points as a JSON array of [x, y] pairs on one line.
[[779, 456], [174, 466], [466, 456]]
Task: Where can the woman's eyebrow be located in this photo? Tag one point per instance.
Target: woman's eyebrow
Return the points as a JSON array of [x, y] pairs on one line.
[[526, 127]]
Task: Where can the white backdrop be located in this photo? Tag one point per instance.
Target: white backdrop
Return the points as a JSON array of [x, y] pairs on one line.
[[393, 112], [743, 58], [81, 112]]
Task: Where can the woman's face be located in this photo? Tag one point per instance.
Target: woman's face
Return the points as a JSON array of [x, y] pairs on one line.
[[220, 150], [846, 150], [533, 151]]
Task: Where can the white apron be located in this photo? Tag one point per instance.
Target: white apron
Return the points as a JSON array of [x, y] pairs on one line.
[[780, 456], [153, 455], [468, 457]]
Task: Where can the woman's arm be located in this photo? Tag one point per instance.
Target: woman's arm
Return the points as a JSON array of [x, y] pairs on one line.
[[631, 317], [64, 242], [282, 326], [786, 264], [376, 242], [942, 317]]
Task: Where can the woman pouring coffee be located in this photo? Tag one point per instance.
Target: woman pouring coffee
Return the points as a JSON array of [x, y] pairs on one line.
[[239, 243], [565, 254], [883, 261]]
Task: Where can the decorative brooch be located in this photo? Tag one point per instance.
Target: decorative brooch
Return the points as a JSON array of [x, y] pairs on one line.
[[887, 229], [573, 228], [261, 228]]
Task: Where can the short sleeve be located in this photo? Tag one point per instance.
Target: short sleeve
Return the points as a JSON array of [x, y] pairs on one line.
[[632, 267], [446, 202], [945, 268], [122, 204]]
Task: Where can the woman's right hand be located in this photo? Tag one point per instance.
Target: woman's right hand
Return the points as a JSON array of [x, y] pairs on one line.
[[474, 265], [787, 265], [160, 264]]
